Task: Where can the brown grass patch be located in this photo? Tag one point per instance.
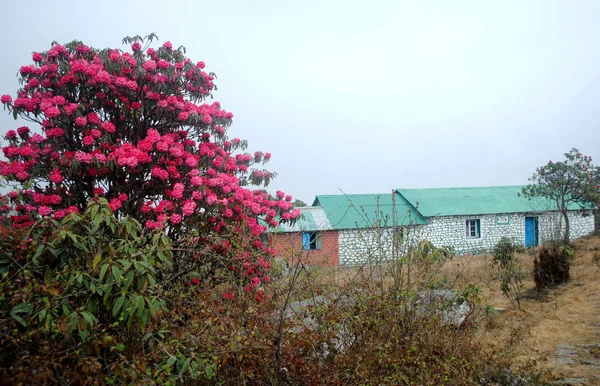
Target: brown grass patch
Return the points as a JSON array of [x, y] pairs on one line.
[[569, 313]]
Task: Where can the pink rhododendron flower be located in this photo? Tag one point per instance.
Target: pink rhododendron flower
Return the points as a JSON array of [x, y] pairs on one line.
[[150, 65], [159, 173], [23, 130], [175, 219], [189, 207], [22, 175], [36, 138], [88, 140], [184, 115], [178, 190], [115, 204], [93, 118], [44, 210], [80, 121], [52, 112], [6, 99], [108, 127], [55, 176]]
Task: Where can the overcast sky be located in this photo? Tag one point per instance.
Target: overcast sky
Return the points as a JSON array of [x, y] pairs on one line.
[[364, 96]]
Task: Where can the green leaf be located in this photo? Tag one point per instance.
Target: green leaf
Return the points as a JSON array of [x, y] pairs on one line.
[[185, 366], [97, 260], [117, 306], [126, 264], [151, 280], [94, 211], [171, 361], [139, 304], [22, 308], [128, 280], [103, 270], [117, 273], [89, 318]]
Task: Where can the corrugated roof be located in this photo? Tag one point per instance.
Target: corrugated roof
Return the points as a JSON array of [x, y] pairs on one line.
[[365, 210], [313, 218], [476, 200]]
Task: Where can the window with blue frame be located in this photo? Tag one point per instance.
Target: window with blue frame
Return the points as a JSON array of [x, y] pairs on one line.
[[312, 241]]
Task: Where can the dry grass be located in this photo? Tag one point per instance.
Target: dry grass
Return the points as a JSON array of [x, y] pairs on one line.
[[528, 336], [567, 314]]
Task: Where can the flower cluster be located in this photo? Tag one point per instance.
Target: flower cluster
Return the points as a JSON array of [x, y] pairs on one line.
[[134, 128]]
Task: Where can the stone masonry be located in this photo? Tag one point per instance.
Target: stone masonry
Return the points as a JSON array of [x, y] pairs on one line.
[[357, 246]]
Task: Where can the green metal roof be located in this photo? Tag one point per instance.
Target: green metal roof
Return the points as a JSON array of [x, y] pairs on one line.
[[476, 200], [364, 210]]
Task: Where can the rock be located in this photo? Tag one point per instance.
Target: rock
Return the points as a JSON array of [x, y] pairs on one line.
[[447, 304], [564, 361], [571, 381], [593, 362], [565, 349]]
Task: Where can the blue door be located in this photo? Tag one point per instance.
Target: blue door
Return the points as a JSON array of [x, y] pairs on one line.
[[531, 232]]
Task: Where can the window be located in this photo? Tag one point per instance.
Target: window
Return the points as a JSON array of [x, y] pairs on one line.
[[473, 229], [311, 241], [399, 234]]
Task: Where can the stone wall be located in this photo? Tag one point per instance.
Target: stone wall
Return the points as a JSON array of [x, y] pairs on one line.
[[451, 230], [358, 246], [372, 245]]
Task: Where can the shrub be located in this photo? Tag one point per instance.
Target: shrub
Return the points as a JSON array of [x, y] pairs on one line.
[[551, 266], [509, 272], [75, 292]]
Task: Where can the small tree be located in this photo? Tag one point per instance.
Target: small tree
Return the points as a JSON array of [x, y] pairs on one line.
[[299, 203], [572, 181], [510, 272]]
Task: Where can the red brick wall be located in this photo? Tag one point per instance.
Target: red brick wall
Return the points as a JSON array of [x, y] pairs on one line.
[[289, 245]]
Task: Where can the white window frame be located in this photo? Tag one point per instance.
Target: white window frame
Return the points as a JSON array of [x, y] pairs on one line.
[[470, 223]]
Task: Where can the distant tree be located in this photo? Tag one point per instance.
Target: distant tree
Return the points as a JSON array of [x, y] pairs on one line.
[[572, 181], [299, 203]]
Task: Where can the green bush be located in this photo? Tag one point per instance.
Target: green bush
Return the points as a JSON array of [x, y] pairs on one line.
[[84, 285], [509, 272]]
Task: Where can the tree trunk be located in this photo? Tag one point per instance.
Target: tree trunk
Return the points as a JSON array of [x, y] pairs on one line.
[[567, 226]]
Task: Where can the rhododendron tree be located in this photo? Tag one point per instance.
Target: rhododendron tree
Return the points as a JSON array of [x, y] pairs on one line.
[[568, 183], [136, 128]]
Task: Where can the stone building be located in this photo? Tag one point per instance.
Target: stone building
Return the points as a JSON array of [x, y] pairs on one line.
[[359, 228]]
